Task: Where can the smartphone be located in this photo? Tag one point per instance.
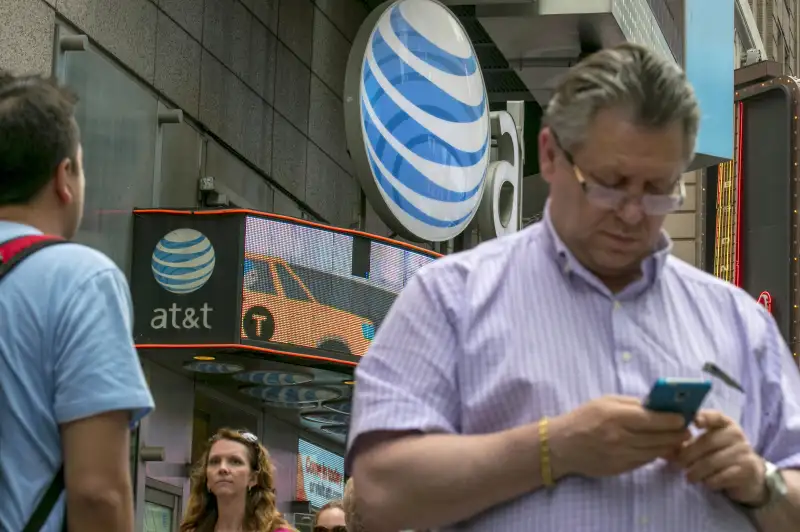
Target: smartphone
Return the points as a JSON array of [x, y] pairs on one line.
[[678, 396]]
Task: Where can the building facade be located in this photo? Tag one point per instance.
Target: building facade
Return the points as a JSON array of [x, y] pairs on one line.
[[259, 85], [778, 25]]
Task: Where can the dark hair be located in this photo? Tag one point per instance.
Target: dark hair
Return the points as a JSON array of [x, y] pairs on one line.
[[37, 132]]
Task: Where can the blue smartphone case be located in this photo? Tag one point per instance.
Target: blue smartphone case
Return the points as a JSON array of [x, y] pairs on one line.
[[678, 396]]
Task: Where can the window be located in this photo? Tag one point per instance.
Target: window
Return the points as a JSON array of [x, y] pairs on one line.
[[158, 518], [291, 287], [162, 506], [258, 277]]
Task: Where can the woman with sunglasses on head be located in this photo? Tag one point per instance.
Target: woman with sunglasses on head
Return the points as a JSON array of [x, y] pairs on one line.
[[330, 518], [233, 488]]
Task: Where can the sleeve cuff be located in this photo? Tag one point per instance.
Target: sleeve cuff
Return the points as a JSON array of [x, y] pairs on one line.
[[793, 462], [139, 406]]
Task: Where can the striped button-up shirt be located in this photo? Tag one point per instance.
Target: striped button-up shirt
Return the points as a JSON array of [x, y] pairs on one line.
[[517, 329]]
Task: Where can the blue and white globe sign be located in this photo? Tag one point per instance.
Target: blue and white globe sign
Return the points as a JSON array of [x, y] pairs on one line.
[[417, 119], [183, 261]]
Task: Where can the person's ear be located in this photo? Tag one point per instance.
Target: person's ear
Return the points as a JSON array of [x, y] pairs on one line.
[[64, 181], [548, 154]]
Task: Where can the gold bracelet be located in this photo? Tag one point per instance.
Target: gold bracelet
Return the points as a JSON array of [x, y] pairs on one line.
[[544, 453]]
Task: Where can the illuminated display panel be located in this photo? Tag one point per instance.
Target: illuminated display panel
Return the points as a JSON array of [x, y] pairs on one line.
[[317, 288], [728, 257], [754, 220], [320, 474], [727, 241]]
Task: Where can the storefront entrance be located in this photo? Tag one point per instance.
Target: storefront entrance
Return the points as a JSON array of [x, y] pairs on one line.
[[249, 318], [190, 413], [213, 411]]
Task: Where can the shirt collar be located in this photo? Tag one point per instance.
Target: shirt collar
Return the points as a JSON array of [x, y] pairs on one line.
[[652, 265], [17, 229]]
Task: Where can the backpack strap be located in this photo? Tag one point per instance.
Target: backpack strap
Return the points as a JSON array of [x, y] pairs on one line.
[[46, 505], [12, 253], [16, 250]]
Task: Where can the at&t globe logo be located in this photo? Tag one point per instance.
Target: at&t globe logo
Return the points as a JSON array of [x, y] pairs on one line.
[[417, 119], [183, 261]]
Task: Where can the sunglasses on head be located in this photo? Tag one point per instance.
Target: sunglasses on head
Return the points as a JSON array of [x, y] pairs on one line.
[[249, 437], [338, 528]]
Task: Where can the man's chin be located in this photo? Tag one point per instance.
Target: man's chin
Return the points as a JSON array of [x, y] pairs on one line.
[[614, 264]]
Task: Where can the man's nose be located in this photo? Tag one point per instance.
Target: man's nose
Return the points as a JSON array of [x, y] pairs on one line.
[[632, 211]]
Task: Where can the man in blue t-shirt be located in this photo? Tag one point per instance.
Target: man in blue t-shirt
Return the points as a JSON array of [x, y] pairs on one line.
[[71, 385]]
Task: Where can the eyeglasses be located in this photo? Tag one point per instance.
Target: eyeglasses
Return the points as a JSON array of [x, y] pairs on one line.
[[338, 528], [614, 199]]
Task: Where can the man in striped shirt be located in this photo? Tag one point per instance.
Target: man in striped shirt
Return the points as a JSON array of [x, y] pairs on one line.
[[504, 390]]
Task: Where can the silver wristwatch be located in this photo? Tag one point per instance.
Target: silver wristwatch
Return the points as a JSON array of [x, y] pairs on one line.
[[775, 487]]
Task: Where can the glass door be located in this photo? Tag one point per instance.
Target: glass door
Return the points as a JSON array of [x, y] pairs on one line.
[[162, 507]]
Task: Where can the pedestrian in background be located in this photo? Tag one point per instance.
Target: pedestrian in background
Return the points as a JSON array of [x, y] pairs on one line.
[[233, 487], [331, 517], [71, 385], [504, 389]]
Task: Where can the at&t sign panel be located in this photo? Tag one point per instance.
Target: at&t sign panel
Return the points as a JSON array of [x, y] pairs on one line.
[[183, 273], [418, 121]]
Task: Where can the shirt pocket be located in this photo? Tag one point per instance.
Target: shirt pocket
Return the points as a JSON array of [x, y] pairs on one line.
[[727, 400]]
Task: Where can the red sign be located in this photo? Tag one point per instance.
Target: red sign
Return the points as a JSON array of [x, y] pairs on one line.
[[765, 300]]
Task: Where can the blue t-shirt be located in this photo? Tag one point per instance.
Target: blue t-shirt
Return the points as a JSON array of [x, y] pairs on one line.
[[66, 353]]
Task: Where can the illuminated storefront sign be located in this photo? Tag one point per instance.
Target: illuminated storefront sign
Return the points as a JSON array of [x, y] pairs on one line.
[[419, 127], [765, 300], [320, 474], [238, 279], [728, 238], [299, 287]]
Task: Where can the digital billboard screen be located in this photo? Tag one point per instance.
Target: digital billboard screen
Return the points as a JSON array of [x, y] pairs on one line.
[[320, 474], [315, 288]]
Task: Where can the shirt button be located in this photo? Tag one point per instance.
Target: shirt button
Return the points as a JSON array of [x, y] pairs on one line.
[[644, 520], [626, 356], [617, 305]]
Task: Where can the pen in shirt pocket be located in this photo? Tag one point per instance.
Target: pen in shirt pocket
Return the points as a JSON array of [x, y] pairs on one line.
[[715, 371]]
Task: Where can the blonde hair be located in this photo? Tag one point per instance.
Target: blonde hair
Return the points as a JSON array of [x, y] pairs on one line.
[[351, 515], [330, 505], [261, 513]]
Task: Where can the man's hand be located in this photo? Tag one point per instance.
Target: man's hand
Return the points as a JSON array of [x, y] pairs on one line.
[[723, 460], [613, 435]]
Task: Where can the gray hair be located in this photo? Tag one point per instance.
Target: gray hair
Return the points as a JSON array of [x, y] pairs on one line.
[[630, 77]]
